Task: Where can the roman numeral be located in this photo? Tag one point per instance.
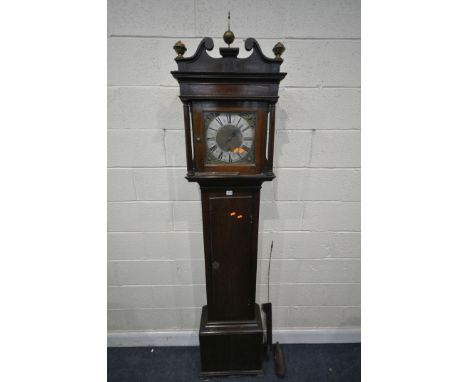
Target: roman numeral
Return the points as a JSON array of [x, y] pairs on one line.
[[248, 138], [245, 128], [228, 117], [219, 121], [238, 121], [213, 148], [211, 138], [230, 159], [210, 128], [220, 155], [245, 148]]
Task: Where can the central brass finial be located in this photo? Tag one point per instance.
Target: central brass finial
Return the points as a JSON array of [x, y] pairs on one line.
[[228, 36]]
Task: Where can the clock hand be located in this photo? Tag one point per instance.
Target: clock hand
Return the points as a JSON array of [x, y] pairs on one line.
[[232, 136]]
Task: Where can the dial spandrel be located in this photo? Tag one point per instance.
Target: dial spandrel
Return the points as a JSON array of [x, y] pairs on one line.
[[229, 137]]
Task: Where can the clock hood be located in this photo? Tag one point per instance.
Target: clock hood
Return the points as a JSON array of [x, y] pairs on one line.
[[255, 65]]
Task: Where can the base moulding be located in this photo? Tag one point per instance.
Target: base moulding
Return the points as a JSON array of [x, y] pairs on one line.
[[190, 337]]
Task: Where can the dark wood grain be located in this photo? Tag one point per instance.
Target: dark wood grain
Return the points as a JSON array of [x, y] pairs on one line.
[[188, 139], [231, 347], [231, 333], [271, 139], [230, 240]]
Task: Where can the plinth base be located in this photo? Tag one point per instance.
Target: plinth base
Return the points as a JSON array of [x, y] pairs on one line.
[[231, 347]]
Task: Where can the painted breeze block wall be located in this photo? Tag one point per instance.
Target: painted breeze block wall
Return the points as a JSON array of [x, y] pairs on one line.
[[311, 210]]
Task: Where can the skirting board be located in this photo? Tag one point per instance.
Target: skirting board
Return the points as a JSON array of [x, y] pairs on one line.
[[190, 337]]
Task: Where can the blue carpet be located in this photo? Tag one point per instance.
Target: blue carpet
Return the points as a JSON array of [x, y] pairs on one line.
[[304, 363]]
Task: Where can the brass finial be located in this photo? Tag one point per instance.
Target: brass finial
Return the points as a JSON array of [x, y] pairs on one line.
[[228, 36], [180, 49], [278, 49]]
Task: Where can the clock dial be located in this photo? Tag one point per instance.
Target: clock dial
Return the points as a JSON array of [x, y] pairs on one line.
[[229, 137]]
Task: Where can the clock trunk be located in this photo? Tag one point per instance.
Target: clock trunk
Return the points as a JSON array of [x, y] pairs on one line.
[[230, 221]]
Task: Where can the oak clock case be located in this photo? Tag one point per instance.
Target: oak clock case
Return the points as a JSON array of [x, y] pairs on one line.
[[229, 119]]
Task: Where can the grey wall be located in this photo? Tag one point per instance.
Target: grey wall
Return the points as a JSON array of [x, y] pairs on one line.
[[312, 209]]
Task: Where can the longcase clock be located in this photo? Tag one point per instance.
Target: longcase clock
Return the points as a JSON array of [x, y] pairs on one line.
[[229, 116]]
